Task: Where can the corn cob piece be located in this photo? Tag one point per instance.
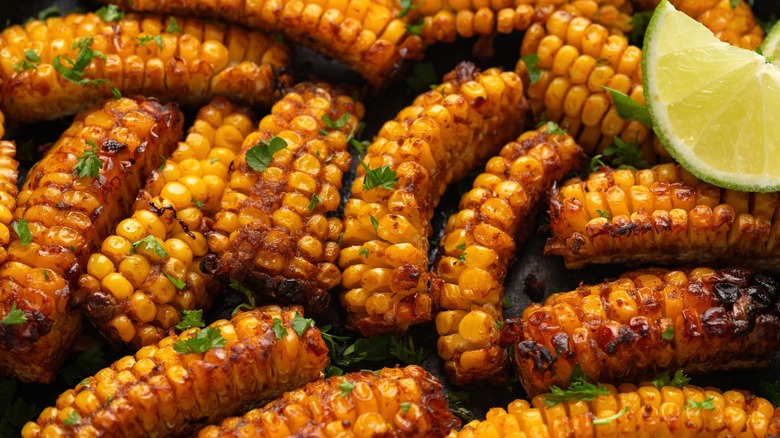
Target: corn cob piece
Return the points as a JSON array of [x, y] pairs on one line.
[[9, 179], [480, 242], [273, 234], [734, 24], [163, 392], [405, 402], [436, 141], [131, 293], [577, 58], [186, 60], [365, 35], [661, 215], [446, 20], [630, 411], [67, 217], [702, 320]]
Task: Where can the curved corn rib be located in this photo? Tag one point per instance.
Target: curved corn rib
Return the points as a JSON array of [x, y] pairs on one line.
[[446, 20], [661, 215], [392, 402], [576, 59], [131, 293], [160, 392], [68, 216], [273, 233], [640, 411], [431, 144], [9, 190], [479, 244], [143, 55], [733, 24], [365, 35], [647, 321]]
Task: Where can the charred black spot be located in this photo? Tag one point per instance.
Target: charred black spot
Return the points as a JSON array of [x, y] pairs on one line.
[[716, 321], [101, 306], [561, 343], [541, 356], [113, 146], [159, 211], [767, 285], [625, 337], [727, 293], [209, 264]]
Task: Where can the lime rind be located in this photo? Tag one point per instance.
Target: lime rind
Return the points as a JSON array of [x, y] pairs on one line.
[[771, 44], [697, 36]]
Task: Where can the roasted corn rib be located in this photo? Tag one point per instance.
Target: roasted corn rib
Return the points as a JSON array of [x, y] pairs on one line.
[[393, 402], [186, 60], [730, 21], [62, 217], [431, 144], [630, 411], [480, 242], [576, 60], [9, 179], [274, 233], [134, 292], [162, 392], [661, 215], [446, 20], [647, 321], [366, 35]]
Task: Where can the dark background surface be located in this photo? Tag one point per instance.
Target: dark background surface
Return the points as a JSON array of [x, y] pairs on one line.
[[380, 107]]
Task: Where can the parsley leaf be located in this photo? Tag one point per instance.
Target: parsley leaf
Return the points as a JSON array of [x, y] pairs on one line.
[[363, 252], [332, 341], [382, 176], [23, 231], [461, 246], [259, 157], [332, 370], [203, 341], [626, 154], [678, 380], [579, 389], [149, 243], [638, 23], [191, 318], [110, 13], [596, 163], [406, 7], [338, 124], [403, 350], [301, 324], [29, 61], [552, 128], [770, 391], [456, 399], [51, 11], [734, 3], [75, 73], [604, 214], [279, 329], [383, 347], [405, 407], [86, 364], [668, 334], [173, 26], [250, 297], [142, 40], [346, 388], [179, 283], [706, 404], [531, 62], [611, 418], [506, 303], [89, 164], [199, 204], [416, 28], [14, 316], [72, 420], [315, 199], [628, 109], [422, 76], [374, 223]]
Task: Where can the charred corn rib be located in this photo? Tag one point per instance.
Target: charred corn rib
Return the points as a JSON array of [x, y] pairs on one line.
[[134, 293], [274, 233], [577, 59], [67, 217], [365, 35], [647, 321], [479, 244], [630, 411], [444, 21], [431, 144], [162, 392], [405, 402], [144, 55], [9, 178], [734, 24], [661, 215]]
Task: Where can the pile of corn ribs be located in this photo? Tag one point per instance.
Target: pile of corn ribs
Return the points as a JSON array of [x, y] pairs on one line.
[[132, 232]]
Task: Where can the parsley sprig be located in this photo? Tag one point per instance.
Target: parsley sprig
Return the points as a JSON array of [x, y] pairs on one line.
[[678, 380], [301, 324], [406, 7], [707, 404], [531, 65], [14, 317], [73, 71], [22, 230], [628, 109], [279, 329], [191, 318], [110, 13], [250, 297], [89, 164], [456, 399], [149, 244], [203, 341], [382, 176], [259, 157], [30, 61], [579, 389]]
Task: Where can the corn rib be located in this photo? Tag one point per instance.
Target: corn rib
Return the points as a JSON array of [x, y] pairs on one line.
[[9, 180]]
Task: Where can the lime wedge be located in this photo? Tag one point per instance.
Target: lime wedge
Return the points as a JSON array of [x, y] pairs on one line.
[[715, 107], [771, 45]]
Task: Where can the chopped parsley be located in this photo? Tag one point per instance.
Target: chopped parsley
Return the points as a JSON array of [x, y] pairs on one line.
[[346, 388], [157, 39], [608, 420], [338, 123], [405, 407], [110, 13], [456, 399], [29, 62], [604, 213], [678, 380], [406, 7], [179, 283], [416, 28], [315, 199], [259, 157], [706, 404], [579, 389], [382, 176], [89, 164], [279, 329], [552, 128], [149, 243], [173, 26], [668, 334], [626, 154], [301, 324], [250, 297], [14, 317], [72, 420], [203, 341], [74, 70], [23, 231], [191, 318], [374, 223], [199, 204], [628, 109], [51, 11], [364, 252], [531, 64]]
